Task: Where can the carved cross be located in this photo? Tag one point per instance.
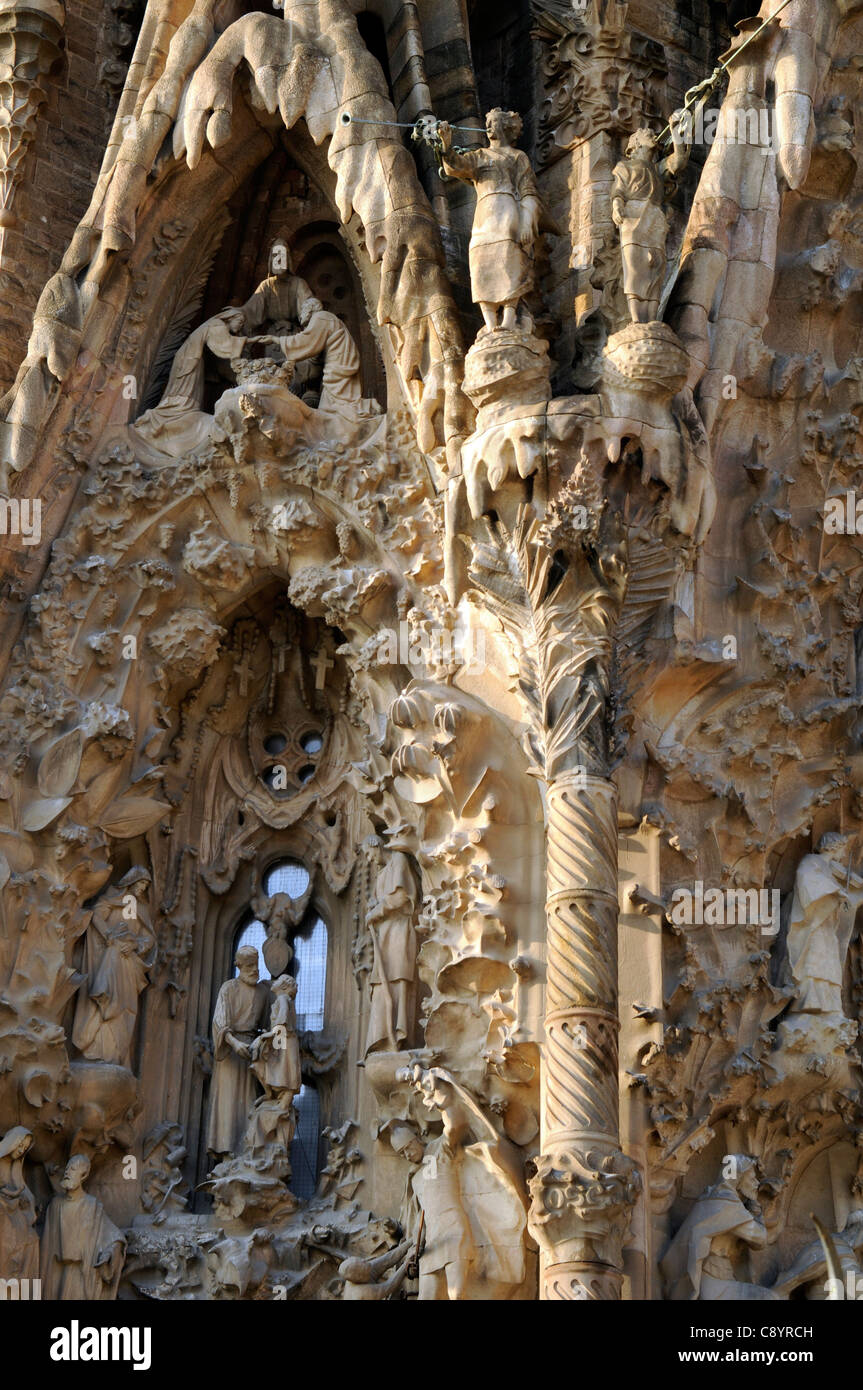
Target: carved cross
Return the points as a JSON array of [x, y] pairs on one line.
[[244, 672], [280, 643], [322, 663]]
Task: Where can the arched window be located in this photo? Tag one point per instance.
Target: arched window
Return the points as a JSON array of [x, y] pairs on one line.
[[308, 965], [310, 970]]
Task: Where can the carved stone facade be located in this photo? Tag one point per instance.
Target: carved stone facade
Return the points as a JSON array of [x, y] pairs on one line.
[[431, 842]]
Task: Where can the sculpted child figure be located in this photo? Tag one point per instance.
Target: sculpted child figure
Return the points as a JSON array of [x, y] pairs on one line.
[[641, 187]]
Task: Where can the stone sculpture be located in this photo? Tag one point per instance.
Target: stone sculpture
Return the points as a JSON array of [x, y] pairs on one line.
[[642, 184], [325, 335], [390, 921], [700, 1261], [177, 425], [468, 1189], [827, 897], [275, 1052], [19, 1242], [239, 1017], [376, 1280], [82, 1250], [119, 950], [506, 222]]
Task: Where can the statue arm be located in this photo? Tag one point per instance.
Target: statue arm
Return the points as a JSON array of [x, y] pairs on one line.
[[529, 218], [752, 1232], [461, 164], [311, 342], [677, 160]]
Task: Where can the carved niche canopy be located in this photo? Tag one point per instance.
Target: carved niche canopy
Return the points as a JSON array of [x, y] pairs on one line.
[[598, 74]]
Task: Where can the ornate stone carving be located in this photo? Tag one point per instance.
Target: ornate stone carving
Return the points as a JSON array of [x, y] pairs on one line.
[[599, 73], [511, 760], [30, 39]]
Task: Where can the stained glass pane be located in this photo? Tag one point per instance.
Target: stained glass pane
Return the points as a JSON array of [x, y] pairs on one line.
[[304, 1149], [310, 968], [287, 877]]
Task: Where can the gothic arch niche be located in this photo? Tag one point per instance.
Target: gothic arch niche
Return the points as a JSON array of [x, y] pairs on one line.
[[286, 200], [261, 751]]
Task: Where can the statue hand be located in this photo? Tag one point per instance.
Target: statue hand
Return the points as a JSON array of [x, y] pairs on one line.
[[444, 134]]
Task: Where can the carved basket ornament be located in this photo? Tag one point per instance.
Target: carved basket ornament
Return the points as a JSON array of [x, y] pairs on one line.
[[262, 371]]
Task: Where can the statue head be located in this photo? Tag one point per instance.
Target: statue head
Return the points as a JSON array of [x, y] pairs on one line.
[[741, 1171], [76, 1173], [246, 961], [310, 307], [836, 844], [136, 881], [503, 127], [642, 144], [406, 1143], [16, 1142], [284, 984]]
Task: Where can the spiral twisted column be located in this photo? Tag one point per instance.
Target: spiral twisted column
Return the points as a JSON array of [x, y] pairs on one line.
[[583, 1187]]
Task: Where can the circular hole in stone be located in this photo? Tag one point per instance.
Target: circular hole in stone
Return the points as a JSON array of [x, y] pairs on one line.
[[306, 773], [312, 742], [275, 743]]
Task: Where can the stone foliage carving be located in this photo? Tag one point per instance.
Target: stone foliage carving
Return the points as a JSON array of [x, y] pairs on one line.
[[30, 39], [495, 715]]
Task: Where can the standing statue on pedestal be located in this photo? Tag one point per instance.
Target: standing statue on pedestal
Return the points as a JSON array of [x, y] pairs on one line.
[[390, 920], [506, 223], [19, 1244], [275, 1053], [82, 1250], [826, 900], [641, 188], [240, 1014], [120, 948]]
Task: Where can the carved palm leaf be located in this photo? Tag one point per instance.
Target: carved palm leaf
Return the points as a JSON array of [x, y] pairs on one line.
[[554, 615], [179, 320]]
